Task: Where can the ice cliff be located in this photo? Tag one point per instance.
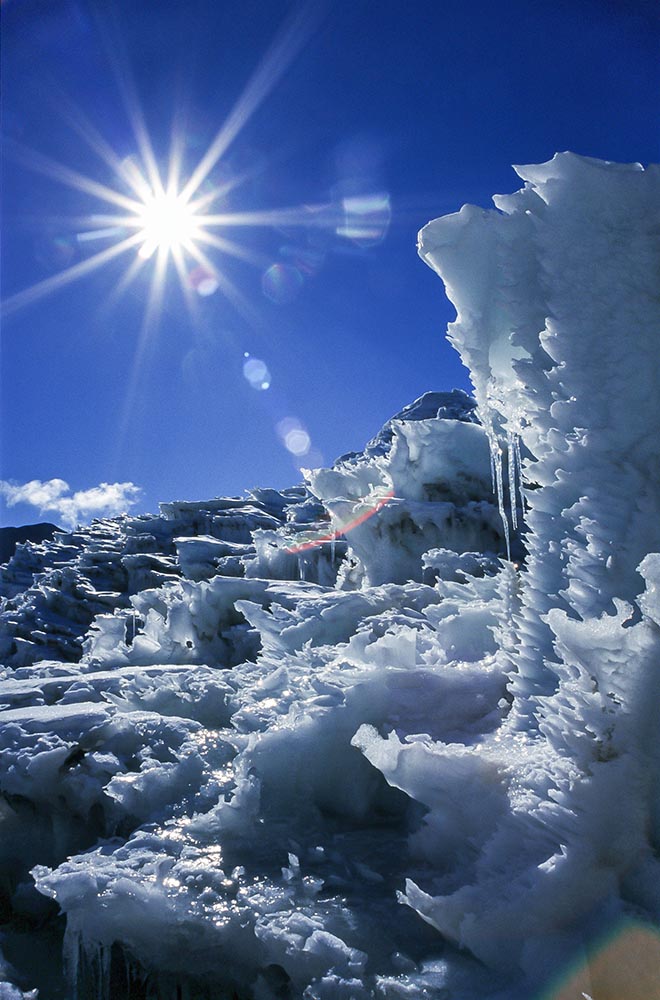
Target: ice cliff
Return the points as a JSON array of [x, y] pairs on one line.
[[392, 735]]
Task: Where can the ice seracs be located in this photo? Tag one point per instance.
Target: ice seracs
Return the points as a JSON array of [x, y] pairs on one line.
[[556, 295], [330, 743], [250, 769], [431, 464], [558, 311]]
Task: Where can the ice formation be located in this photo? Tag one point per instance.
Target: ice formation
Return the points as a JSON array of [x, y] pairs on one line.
[[250, 752]]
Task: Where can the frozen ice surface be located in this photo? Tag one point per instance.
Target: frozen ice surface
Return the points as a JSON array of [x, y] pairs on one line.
[[328, 743], [432, 463], [557, 316]]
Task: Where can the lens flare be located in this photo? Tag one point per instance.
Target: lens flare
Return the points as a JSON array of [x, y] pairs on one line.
[[281, 283], [294, 437], [204, 281], [158, 206], [364, 509], [623, 966], [255, 371], [366, 219]]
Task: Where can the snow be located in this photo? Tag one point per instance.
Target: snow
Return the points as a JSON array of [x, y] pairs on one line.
[[330, 743], [433, 469]]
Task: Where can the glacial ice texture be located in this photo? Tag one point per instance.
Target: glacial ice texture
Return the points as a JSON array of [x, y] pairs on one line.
[[558, 311], [330, 743]]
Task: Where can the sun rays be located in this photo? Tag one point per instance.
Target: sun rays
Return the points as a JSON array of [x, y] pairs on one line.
[[167, 218], [181, 223], [157, 211]]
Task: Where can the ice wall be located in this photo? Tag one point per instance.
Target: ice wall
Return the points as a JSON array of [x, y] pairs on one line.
[[558, 314], [427, 474]]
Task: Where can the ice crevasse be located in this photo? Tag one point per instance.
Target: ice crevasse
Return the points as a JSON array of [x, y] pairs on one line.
[[394, 766]]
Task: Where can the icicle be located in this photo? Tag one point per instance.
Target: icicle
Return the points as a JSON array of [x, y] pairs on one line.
[[511, 475], [71, 949], [518, 459], [496, 462], [88, 966], [515, 476], [128, 969], [104, 959]]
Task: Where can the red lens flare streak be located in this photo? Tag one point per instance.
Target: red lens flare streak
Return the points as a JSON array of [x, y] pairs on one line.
[[345, 528]]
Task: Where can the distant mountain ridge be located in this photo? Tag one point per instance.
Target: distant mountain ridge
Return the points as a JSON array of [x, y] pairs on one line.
[[52, 589], [11, 537]]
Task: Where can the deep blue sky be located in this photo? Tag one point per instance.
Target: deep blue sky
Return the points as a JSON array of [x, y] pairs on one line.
[[427, 102]]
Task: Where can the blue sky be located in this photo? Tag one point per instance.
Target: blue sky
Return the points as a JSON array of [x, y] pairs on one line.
[[367, 119]]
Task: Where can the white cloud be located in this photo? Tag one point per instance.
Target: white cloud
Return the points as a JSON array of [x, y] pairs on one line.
[[54, 497]]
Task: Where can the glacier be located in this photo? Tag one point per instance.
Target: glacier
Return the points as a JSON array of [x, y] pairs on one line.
[[391, 734]]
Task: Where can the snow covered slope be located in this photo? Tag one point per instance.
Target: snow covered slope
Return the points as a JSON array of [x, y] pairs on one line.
[[331, 744]]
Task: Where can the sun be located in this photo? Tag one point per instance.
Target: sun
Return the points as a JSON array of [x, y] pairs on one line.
[[167, 222], [157, 207]]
